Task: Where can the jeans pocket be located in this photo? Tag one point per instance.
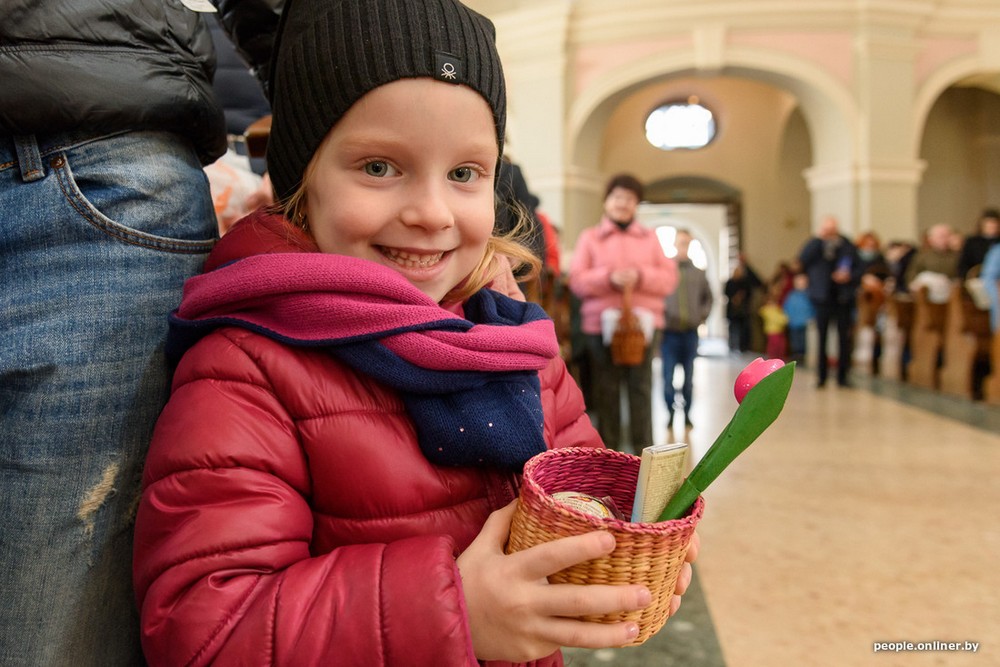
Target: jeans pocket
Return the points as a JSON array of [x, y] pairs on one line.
[[145, 189]]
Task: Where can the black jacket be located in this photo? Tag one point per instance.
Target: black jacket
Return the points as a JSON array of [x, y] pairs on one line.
[[820, 259], [110, 65]]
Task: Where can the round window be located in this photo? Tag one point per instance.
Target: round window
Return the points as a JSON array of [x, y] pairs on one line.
[[685, 124]]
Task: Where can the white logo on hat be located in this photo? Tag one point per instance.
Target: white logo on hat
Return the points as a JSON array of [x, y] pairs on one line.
[[448, 67]]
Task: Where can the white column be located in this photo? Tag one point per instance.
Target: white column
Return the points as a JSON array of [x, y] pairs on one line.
[[533, 46], [888, 168]]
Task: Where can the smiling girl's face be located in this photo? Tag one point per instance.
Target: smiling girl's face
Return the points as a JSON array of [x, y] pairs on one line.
[[405, 179]]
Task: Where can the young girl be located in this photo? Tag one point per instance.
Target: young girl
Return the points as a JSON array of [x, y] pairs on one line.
[[775, 321], [331, 481]]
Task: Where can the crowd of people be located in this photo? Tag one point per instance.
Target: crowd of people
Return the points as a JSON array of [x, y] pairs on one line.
[[835, 285], [839, 283]]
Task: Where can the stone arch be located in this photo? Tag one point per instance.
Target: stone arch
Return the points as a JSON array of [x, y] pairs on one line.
[[961, 175], [700, 190], [931, 89], [691, 188], [826, 104]]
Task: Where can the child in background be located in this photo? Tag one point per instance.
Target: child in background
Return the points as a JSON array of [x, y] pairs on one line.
[[331, 481], [800, 311], [774, 321]]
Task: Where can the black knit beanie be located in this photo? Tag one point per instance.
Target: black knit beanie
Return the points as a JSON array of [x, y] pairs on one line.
[[329, 53]]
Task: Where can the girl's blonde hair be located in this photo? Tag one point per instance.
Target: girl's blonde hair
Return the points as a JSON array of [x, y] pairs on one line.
[[512, 246]]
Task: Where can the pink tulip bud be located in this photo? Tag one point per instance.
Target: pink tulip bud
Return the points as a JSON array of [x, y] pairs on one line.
[[752, 374]]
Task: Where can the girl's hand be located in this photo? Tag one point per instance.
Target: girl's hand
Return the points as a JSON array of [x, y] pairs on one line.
[[684, 578], [516, 615]]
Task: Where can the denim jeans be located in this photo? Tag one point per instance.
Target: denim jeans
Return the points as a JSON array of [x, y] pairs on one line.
[[797, 342], [678, 348], [97, 237]]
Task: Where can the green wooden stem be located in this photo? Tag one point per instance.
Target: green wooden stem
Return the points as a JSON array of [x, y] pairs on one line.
[[760, 407]]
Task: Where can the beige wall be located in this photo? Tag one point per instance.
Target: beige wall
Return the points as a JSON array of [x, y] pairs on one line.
[[961, 145], [794, 157], [832, 107], [746, 155]]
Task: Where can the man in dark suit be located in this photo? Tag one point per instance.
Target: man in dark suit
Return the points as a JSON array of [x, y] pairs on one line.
[[830, 261]]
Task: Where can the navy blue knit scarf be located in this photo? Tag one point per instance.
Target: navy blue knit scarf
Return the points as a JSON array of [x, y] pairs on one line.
[[470, 384]]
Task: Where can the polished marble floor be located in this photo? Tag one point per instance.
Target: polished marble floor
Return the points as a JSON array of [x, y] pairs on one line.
[[862, 515]]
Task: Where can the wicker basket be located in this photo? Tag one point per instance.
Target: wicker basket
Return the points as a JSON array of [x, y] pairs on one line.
[[645, 553], [628, 343]]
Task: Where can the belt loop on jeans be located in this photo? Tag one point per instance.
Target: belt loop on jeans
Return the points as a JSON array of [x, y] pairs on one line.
[[29, 158]]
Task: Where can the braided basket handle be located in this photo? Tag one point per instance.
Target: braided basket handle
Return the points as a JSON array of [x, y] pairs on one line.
[[627, 300], [628, 344]]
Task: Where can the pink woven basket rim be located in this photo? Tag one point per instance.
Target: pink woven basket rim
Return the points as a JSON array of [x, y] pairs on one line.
[[532, 490]]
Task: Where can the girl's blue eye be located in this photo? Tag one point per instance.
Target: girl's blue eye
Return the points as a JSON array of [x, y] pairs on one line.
[[378, 168], [462, 174]]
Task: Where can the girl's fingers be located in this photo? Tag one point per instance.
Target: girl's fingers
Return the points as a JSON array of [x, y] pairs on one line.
[[575, 600], [684, 579], [497, 526], [583, 634], [693, 548], [542, 560]]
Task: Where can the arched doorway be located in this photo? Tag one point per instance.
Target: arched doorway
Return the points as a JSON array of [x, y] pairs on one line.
[[711, 211]]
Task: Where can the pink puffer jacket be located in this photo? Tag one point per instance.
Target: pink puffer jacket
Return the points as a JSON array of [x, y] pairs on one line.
[[290, 518]]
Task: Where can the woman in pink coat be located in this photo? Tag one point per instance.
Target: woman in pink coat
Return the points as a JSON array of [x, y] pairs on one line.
[[615, 253], [331, 480]]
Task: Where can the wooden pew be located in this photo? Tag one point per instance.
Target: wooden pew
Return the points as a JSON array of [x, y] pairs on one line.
[[926, 340], [896, 336], [556, 303], [966, 345], [991, 385], [256, 136], [867, 340]]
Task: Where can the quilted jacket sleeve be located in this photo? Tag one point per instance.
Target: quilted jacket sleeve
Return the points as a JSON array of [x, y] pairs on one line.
[[223, 570], [566, 420]]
